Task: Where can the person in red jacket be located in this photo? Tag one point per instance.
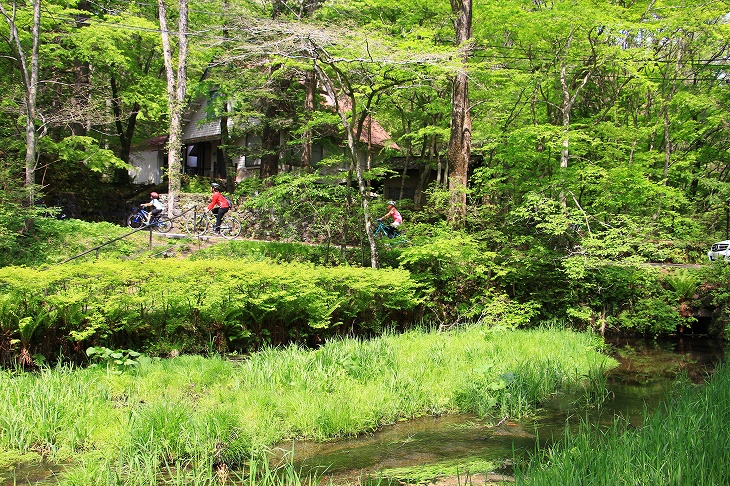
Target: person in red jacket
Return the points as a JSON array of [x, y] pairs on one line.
[[219, 206]]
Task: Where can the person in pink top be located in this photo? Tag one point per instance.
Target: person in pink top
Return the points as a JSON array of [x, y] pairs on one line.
[[219, 206], [397, 219]]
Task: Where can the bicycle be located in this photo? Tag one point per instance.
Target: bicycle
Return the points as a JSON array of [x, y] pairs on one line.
[[138, 219], [388, 231], [200, 223]]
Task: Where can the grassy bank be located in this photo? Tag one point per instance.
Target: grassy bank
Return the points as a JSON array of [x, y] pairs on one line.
[[182, 419], [685, 442]]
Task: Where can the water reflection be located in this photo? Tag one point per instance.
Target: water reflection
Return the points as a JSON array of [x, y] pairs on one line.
[[647, 371]]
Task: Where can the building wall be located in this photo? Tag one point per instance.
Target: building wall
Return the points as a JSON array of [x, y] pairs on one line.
[[145, 166], [197, 128]]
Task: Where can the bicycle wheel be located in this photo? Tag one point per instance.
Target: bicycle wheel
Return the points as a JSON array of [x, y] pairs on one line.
[[231, 227], [135, 221], [163, 224], [189, 225], [199, 226]]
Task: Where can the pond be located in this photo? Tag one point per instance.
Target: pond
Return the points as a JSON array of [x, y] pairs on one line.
[[647, 371]]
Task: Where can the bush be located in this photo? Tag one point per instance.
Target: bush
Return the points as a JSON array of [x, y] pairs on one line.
[[453, 266], [233, 305]]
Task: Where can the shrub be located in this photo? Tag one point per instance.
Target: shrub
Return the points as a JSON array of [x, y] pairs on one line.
[[235, 305]]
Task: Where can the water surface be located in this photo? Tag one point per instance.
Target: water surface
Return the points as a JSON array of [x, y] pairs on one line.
[[646, 373]]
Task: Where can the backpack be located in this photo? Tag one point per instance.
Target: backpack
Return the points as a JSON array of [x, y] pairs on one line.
[[230, 203]]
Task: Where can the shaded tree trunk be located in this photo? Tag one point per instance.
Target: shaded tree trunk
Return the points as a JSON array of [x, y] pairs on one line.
[[459, 151], [310, 86], [81, 71], [231, 169], [269, 149], [125, 134]]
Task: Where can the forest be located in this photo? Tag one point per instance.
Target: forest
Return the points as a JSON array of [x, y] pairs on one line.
[[561, 167], [555, 148]]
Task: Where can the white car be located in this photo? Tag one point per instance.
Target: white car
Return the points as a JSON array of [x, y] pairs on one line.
[[720, 251]]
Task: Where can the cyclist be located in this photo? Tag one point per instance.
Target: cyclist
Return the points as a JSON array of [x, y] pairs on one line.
[[397, 219], [156, 207], [218, 205]]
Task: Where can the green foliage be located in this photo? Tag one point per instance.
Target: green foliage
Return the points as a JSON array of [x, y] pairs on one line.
[[15, 213], [51, 240], [281, 252], [183, 305], [684, 283], [86, 150], [498, 310], [646, 154], [652, 316], [452, 264], [115, 361]]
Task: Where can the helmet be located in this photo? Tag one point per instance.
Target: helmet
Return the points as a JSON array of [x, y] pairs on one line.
[[391, 203], [215, 186], [154, 195]]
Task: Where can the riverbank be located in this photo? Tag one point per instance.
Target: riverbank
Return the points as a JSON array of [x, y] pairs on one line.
[[192, 417], [685, 442]]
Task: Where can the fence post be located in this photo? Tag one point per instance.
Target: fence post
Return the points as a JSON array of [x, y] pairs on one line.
[[195, 229]]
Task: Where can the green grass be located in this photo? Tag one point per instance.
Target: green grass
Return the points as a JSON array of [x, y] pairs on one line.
[[685, 442], [281, 252], [178, 418], [460, 469], [53, 241]]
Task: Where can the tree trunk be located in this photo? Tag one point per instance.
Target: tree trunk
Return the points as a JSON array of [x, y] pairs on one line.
[[566, 108], [125, 134], [308, 7], [423, 175], [355, 160], [230, 168], [565, 112], [277, 8], [310, 85], [176, 89], [30, 80], [269, 149], [459, 151], [81, 97]]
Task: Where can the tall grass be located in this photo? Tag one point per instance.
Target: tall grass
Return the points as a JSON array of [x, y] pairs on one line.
[[685, 442], [181, 417]]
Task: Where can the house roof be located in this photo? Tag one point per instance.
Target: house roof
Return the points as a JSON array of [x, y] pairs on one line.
[[198, 129], [154, 142], [372, 131]]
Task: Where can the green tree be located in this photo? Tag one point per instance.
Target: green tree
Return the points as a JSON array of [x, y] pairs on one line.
[[28, 60]]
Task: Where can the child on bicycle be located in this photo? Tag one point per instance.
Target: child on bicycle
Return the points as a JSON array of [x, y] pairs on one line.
[[218, 205], [397, 219], [156, 207]]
